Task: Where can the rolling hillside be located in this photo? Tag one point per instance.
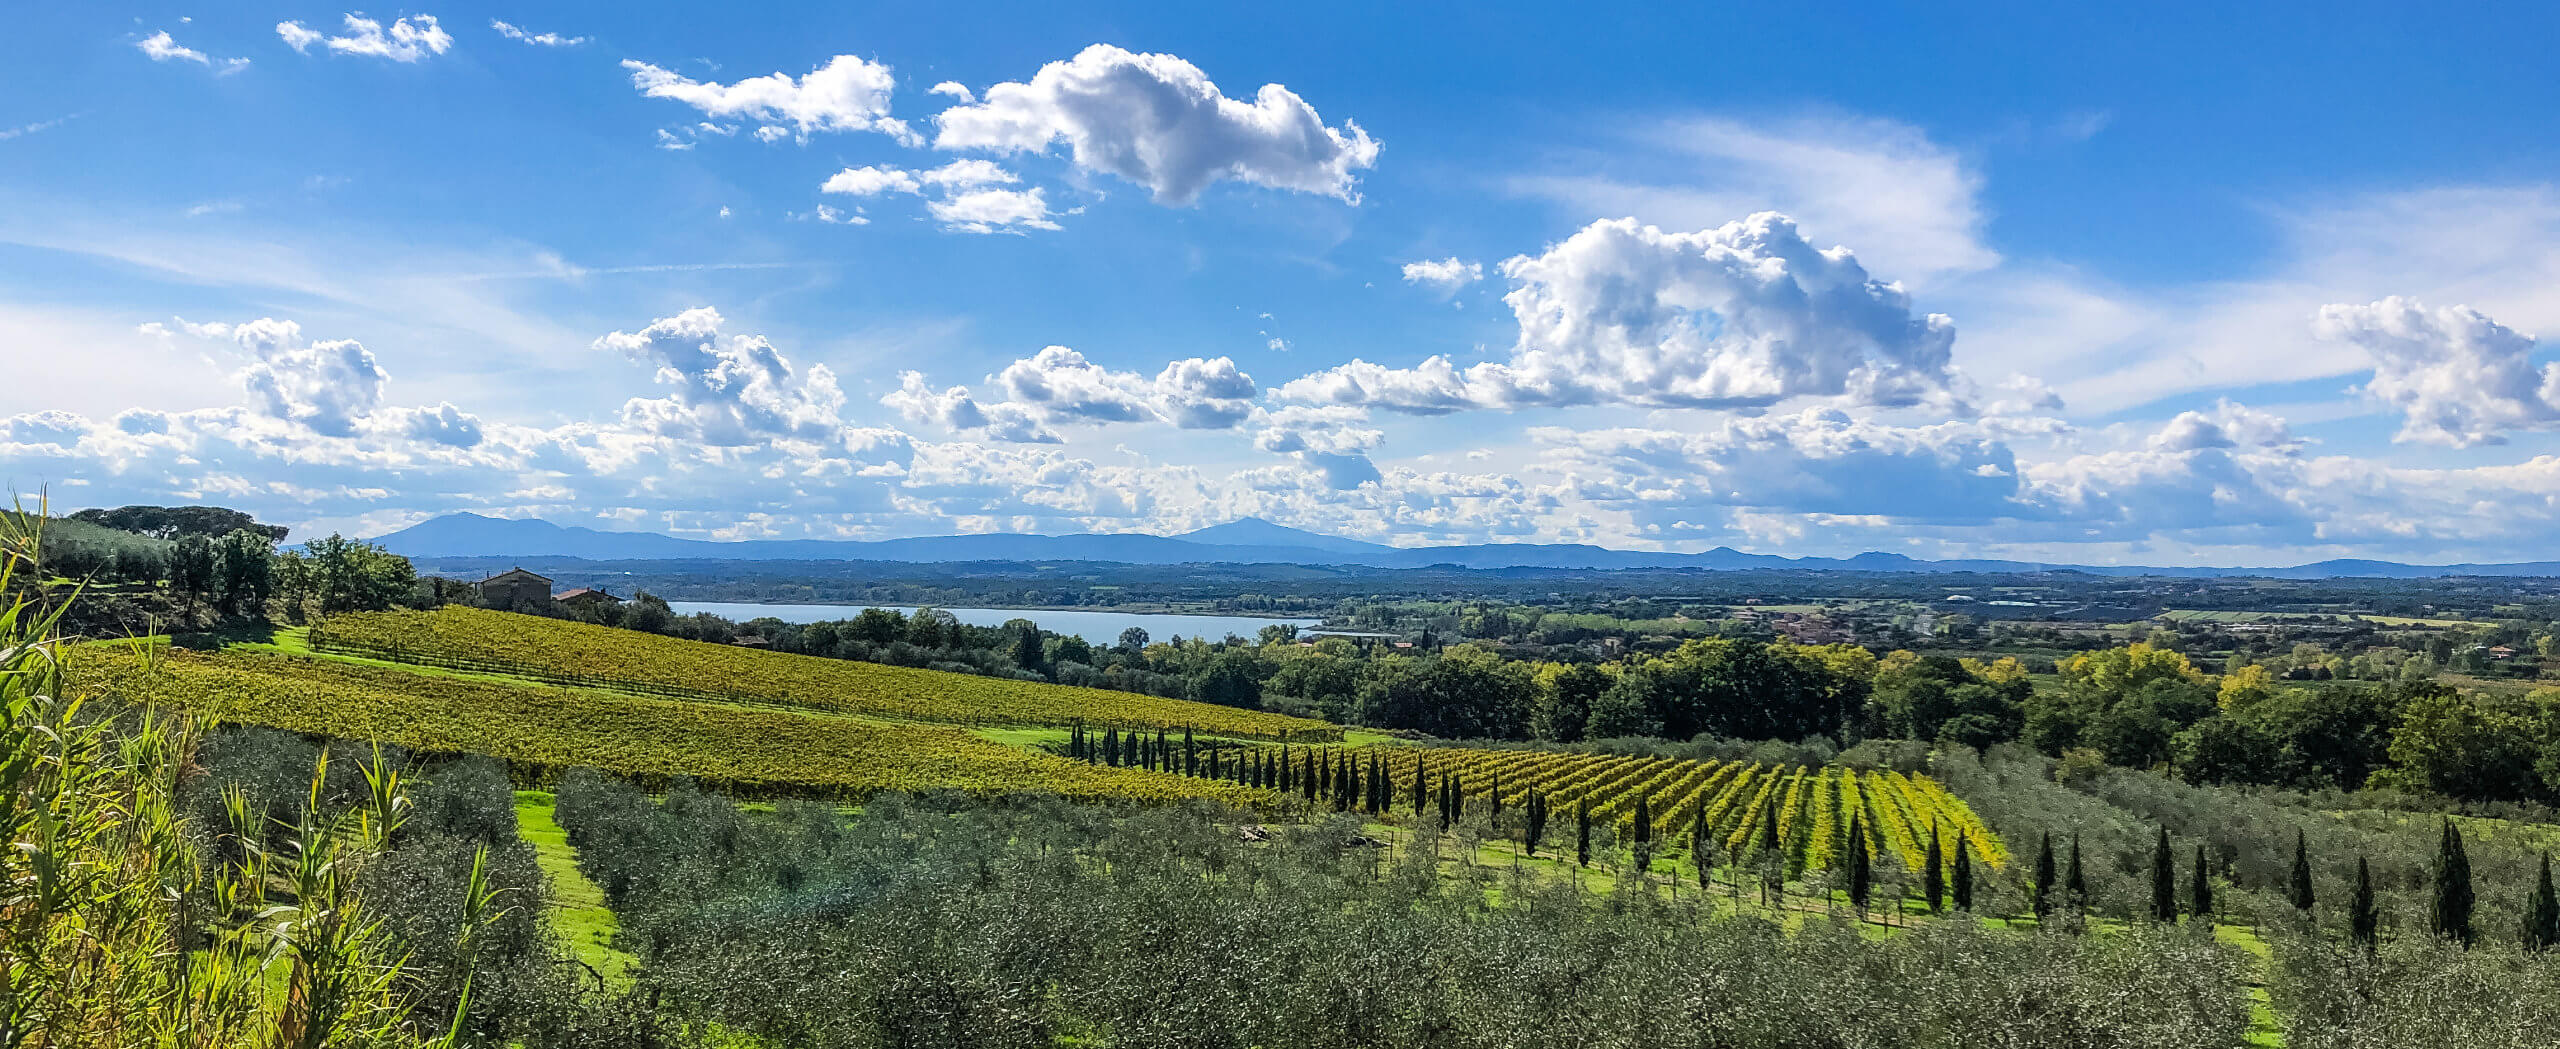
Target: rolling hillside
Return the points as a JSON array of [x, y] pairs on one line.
[[578, 653]]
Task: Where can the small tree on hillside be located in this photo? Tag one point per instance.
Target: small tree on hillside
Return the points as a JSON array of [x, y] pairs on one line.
[[2542, 914], [1861, 866], [1699, 834], [1582, 833], [2164, 881], [2200, 890], [2364, 920], [2075, 884], [1773, 866], [2043, 885], [2450, 917], [2298, 891], [1963, 888]]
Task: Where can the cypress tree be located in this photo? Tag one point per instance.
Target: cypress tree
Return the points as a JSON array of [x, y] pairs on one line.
[[1164, 753], [1699, 832], [2074, 884], [2364, 920], [1111, 747], [1288, 781], [1190, 753], [1075, 742], [1495, 813], [1644, 822], [2299, 892], [1534, 820], [1964, 874], [1455, 807], [1861, 867], [2542, 914], [2043, 885], [1307, 775], [2200, 890], [1417, 786], [2450, 917], [2164, 880], [1582, 832], [1769, 828], [1933, 878]]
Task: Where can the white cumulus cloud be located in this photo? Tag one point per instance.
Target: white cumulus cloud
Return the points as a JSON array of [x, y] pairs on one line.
[[328, 386], [2457, 377], [728, 390], [1158, 121], [994, 210], [847, 94], [870, 181], [1059, 387], [1741, 316], [410, 39], [162, 48], [1447, 274]]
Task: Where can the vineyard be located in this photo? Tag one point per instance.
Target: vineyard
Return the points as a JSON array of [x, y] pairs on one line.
[[580, 654], [750, 751], [1726, 801]]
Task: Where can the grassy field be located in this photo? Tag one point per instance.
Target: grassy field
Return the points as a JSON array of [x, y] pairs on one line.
[[578, 912]]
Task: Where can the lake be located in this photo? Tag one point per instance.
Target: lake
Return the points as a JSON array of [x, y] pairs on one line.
[[1096, 627]]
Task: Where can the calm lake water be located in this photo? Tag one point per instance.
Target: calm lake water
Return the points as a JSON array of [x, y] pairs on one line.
[[1096, 627]]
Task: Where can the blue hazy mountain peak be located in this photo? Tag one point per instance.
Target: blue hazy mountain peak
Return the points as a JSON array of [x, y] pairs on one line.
[[1256, 541]]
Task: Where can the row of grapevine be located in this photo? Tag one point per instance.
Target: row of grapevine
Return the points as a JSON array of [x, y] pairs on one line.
[[1814, 807], [581, 654], [543, 730]]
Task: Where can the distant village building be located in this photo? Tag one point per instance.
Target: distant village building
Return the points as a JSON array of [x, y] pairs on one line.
[[751, 641], [584, 597], [514, 586]]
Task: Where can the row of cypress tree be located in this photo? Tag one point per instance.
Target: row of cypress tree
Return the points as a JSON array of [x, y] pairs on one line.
[[2451, 898], [1329, 775]]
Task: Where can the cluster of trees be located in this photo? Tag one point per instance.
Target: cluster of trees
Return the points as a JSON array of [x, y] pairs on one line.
[[2142, 706], [176, 522], [212, 563]]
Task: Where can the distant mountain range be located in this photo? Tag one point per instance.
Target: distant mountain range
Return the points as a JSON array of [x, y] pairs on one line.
[[1256, 541]]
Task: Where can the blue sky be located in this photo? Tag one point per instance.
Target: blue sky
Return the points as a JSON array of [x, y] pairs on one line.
[[2168, 286]]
